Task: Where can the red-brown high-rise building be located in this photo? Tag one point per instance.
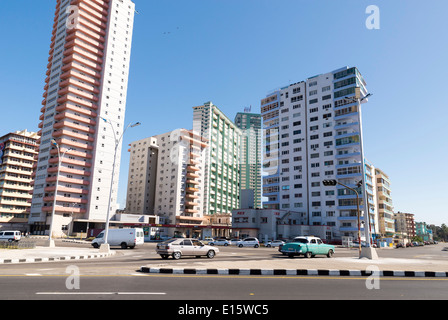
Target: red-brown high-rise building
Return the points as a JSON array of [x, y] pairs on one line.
[[87, 78]]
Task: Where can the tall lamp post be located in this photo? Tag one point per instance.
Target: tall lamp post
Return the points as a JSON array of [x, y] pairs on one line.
[[50, 236], [105, 246], [370, 252]]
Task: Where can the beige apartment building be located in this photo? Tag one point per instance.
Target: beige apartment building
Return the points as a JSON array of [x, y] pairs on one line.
[[405, 224], [384, 203], [17, 161], [166, 179]]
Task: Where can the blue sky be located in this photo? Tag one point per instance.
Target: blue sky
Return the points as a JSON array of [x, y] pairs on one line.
[[234, 52]]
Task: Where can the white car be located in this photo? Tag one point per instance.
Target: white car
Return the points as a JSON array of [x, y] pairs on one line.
[[219, 242], [248, 242], [274, 243]]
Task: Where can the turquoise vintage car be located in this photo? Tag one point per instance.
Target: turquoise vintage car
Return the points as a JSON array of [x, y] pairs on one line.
[[308, 247]]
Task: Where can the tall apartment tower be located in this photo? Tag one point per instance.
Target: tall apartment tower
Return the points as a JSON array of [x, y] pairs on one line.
[[87, 80], [222, 159], [142, 176], [386, 219], [166, 179], [250, 161], [312, 133], [17, 163]]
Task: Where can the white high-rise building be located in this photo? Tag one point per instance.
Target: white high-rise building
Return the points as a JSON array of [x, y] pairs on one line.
[[312, 133], [87, 80]]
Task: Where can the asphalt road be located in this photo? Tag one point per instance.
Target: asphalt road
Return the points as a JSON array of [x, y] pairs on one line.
[[117, 278]]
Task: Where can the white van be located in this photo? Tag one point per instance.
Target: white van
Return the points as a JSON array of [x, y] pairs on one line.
[[124, 238], [10, 236]]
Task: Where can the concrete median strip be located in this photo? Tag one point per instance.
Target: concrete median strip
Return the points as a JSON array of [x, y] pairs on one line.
[[294, 272], [54, 258]]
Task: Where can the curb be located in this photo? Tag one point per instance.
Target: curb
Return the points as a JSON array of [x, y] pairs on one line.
[[54, 259], [295, 272]]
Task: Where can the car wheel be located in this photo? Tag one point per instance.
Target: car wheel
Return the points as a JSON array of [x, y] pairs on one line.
[[240, 245], [330, 253], [268, 245], [256, 246], [211, 244], [124, 245], [164, 256], [308, 255], [226, 244], [177, 255], [210, 254], [96, 245]]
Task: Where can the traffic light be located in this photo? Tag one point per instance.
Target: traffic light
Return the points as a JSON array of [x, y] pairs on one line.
[[330, 182]]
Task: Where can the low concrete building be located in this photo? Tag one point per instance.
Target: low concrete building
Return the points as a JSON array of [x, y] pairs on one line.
[[270, 224]]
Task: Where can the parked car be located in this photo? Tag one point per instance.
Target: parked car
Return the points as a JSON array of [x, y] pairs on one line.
[[206, 240], [308, 247], [128, 237], [234, 241], [275, 243], [219, 242], [248, 242], [10, 236], [179, 247]]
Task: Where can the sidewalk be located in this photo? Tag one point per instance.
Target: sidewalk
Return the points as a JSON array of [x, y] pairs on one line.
[[45, 254]]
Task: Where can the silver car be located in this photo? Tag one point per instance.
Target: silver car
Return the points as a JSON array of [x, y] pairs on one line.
[[178, 247]]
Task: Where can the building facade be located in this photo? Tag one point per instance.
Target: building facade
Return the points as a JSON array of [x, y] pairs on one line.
[[423, 231], [386, 218], [222, 161], [250, 160], [312, 132], [142, 176], [87, 79], [405, 224], [271, 224], [166, 179], [17, 164]]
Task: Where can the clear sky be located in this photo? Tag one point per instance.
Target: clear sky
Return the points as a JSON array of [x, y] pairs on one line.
[[233, 52]]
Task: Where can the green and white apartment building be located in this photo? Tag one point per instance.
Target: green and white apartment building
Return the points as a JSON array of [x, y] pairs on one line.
[[312, 132], [221, 192], [188, 180]]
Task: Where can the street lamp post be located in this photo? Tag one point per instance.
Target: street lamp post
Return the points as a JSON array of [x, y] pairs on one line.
[[370, 252], [105, 246], [50, 236]]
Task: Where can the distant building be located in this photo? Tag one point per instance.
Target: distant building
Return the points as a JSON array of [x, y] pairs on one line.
[[385, 206], [271, 224], [222, 161], [250, 160], [166, 179], [405, 224], [142, 176], [422, 230], [18, 152]]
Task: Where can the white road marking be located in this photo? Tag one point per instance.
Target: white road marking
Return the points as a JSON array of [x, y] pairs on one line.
[[100, 293]]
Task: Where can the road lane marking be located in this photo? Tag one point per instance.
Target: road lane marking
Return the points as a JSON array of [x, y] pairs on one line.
[[100, 293]]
